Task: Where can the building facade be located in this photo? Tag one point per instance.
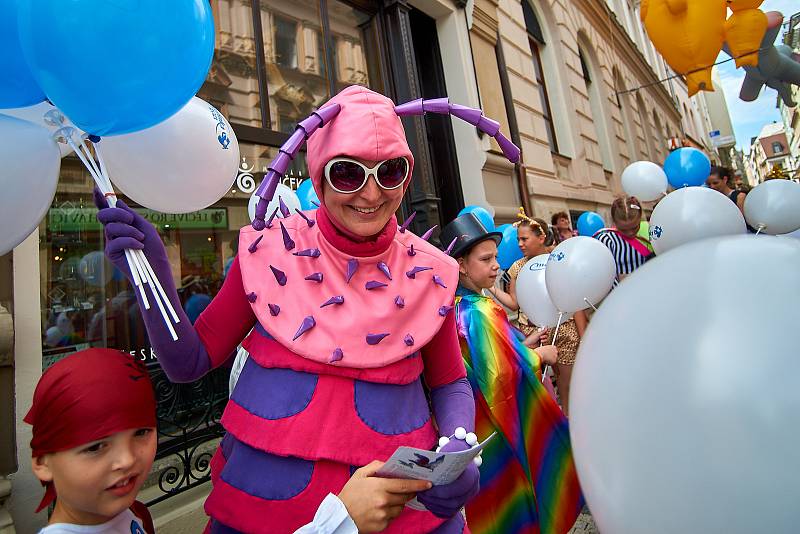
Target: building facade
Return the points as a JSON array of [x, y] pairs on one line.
[[770, 149]]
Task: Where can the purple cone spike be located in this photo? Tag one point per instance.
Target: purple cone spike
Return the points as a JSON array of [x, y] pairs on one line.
[[352, 267], [444, 310], [436, 105], [280, 276], [427, 235], [438, 281], [407, 222], [510, 150], [374, 284], [338, 299], [374, 339], [314, 203], [288, 243], [254, 245], [399, 302], [309, 253], [283, 207], [268, 224], [470, 115], [337, 355], [252, 297], [274, 309], [411, 251], [410, 108], [307, 324], [488, 126], [314, 277], [413, 272], [408, 340], [452, 244], [309, 222], [382, 267]]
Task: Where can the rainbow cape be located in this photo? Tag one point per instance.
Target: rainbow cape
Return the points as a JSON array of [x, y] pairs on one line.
[[528, 479]]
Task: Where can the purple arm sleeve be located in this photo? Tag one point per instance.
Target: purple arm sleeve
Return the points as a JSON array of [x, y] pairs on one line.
[[183, 360], [453, 407]]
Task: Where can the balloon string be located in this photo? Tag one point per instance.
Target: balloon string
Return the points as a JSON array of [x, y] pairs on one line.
[[555, 333], [589, 303], [760, 227]]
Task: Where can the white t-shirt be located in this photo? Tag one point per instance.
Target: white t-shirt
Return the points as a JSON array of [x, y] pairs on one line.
[[123, 523]]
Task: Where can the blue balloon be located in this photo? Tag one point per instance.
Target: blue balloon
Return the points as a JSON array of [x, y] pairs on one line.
[[307, 195], [117, 66], [482, 214], [508, 250], [687, 167], [18, 88], [589, 223]]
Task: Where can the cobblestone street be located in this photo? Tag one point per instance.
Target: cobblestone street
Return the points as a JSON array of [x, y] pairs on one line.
[[584, 524]]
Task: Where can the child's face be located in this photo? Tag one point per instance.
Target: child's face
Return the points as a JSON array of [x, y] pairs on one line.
[[96, 481], [529, 243], [480, 265]]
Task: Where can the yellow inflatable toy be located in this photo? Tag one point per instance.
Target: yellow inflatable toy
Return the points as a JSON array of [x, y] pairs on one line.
[[744, 31], [689, 34]]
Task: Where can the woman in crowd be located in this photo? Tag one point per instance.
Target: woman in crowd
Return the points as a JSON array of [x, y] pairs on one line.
[[532, 235], [629, 249], [563, 229]]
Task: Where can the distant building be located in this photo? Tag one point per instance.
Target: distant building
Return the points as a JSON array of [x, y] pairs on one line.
[[769, 149]]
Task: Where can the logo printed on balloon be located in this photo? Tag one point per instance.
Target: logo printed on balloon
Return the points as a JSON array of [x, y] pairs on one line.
[[655, 232], [558, 257], [221, 127], [537, 265]]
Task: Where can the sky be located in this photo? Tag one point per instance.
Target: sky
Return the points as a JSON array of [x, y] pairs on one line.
[[749, 117]]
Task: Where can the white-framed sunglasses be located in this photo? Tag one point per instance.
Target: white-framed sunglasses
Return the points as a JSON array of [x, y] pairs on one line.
[[347, 176]]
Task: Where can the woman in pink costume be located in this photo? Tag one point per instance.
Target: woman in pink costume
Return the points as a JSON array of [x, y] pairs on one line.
[[351, 319]]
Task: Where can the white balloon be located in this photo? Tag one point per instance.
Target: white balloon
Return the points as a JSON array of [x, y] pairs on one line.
[[95, 269], [693, 213], [183, 164], [774, 207], [644, 180], [532, 293], [28, 178], [36, 115], [579, 273], [285, 192], [695, 430]]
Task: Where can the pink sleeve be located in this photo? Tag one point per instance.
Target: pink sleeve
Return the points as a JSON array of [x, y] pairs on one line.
[[227, 320], [442, 356]]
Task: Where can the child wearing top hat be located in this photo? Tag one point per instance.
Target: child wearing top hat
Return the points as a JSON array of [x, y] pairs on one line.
[[528, 478]]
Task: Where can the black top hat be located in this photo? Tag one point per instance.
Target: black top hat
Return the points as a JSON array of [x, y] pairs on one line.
[[470, 231]]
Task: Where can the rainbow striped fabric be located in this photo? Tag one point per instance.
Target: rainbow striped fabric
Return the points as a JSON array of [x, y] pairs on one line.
[[528, 479]]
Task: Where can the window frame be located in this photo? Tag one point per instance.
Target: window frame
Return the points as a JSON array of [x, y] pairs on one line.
[[547, 111]]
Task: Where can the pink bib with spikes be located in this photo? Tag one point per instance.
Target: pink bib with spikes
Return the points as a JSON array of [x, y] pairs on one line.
[[329, 307]]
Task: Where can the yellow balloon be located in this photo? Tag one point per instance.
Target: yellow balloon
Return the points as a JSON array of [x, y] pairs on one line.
[[689, 34], [744, 31]]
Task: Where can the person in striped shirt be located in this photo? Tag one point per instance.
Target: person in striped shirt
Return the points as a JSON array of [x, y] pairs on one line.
[[630, 250]]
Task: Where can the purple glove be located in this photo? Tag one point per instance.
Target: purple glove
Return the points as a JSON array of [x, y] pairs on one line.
[[445, 501], [184, 360], [453, 407]]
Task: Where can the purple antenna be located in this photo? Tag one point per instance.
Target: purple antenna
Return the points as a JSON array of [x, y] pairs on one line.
[[408, 340], [444, 310], [400, 302], [274, 309], [374, 284], [471, 115], [314, 277], [314, 203], [438, 281], [252, 297], [374, 339], [307, 324], [280, 276], [413, 272], [338, 299], [268, 224], [352, 267], [337, 355], [410, 251], [309, 253], [277, 168]]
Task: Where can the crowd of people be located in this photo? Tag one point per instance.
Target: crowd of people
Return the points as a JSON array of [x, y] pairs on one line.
[[362, 338]]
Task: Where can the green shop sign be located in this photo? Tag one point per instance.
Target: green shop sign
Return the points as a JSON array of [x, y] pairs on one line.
[[85, 219]]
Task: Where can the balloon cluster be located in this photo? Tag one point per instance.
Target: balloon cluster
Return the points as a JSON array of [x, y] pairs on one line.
[[93, 76]]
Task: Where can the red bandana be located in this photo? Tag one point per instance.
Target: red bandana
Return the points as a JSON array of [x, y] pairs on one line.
[[87, 396]]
